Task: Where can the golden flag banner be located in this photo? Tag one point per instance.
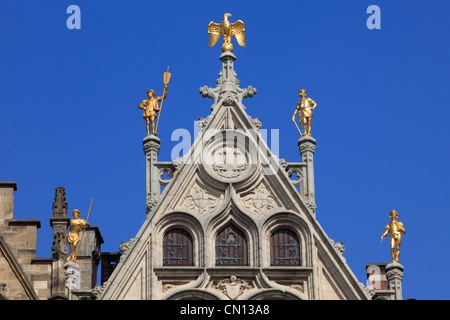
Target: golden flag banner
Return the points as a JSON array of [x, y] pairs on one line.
[[167, 75], [166, 80]]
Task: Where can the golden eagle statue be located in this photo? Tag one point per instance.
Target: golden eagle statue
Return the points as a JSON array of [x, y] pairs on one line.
[[227, 30]]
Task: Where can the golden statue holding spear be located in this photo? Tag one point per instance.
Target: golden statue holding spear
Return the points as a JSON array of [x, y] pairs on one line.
[[151, 106], [73, 237], [305, 111]]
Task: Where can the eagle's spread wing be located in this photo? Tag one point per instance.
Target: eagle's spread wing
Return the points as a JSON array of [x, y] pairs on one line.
[[238, 30], [215, 30]]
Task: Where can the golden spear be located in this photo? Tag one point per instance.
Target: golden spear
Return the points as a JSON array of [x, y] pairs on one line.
[[84, 229], [166, 80]]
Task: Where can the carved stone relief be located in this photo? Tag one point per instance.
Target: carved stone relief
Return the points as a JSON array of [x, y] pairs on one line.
[[298, 287], [230, 156], [227, 168], [125, 247], [152, 200], [311, 206], [168, 286], [72, 275], [203, 122], [232, 287], [97, 291], [369, 291], [59, 247], [259, 200], [201, 201], [3, 288]]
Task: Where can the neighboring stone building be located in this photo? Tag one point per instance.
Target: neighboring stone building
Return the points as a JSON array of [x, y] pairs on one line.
[[231, 223], [385, 280], [25, 277]]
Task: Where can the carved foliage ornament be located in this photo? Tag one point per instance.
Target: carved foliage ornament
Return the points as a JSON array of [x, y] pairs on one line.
[[151, 146], [307, 147], [98, 290], [125, 248], [394, 273], [228, 99], [338, 246], [207, 92], [203, 122], [153, 200]]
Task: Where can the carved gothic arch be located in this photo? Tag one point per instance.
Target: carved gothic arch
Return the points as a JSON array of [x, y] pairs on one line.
[[291, 221], [184, 221], [193, 294], [272, 294], [231, 246], [232, 214], [230, 209]]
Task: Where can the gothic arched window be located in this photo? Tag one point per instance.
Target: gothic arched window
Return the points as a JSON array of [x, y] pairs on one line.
[[177, 248], [284, 248], [231, 247]]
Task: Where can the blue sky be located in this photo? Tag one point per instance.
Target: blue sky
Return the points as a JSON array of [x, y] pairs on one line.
[[69, 116]]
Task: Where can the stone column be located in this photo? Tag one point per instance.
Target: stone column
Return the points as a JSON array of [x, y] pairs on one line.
[[228, 75], [394, 274], [59, 222], [307, 146], [152, 145]]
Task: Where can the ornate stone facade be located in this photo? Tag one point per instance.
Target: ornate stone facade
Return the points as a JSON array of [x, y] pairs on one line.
[[230, 223]]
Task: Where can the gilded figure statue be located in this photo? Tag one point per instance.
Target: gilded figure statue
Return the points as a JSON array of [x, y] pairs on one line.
[[304, 110], [151, 106], [227, 30], [395, 230], [73, 237]]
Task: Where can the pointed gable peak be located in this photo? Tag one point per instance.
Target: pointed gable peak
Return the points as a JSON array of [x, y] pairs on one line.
[[227, 91]]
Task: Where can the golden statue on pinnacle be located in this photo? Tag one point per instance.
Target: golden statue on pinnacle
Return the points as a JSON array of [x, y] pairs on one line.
[[304, 110], [394, 229], [151, 106]]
